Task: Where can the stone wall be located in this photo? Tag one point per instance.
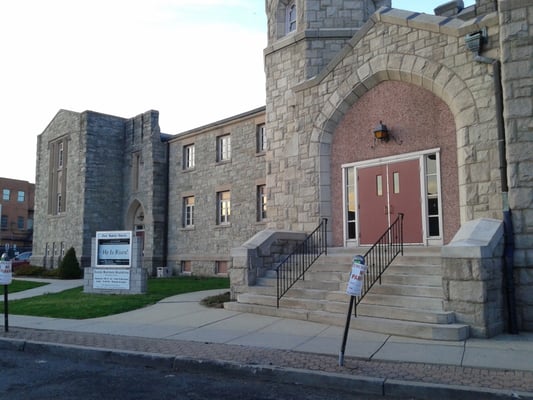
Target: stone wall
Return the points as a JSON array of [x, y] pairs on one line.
[[419, 49], [208, 242], [259, 254], [143, 138], [516, 40], [472, 277], [52, 233]]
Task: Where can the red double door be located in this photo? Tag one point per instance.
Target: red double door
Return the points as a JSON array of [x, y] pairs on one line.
[[384, 191]]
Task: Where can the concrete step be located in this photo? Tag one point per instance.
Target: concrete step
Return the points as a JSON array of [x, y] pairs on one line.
[[399, 279], [320, 304], [405, 314], [421, 330], [410, 269], [409, 290], [408, 302], [411, 302]]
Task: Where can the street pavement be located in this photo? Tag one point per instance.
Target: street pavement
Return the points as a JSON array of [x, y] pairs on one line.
[[180, 333]]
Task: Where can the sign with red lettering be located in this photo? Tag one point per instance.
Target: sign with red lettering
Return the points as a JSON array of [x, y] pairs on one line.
[[5, 272], [355, 285]]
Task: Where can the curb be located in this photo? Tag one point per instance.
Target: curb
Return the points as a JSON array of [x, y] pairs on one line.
[[334, 381]]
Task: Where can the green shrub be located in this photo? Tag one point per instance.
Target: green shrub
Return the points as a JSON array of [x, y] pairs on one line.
[[29, 270], [69, 268], [32, 270]]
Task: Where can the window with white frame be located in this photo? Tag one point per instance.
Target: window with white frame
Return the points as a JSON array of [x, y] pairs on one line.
[[21, 196], [261, 138], [261, 203], [223, 207], [224, 148], [291, 17], [6, 194], [188, 156], [188, 211]]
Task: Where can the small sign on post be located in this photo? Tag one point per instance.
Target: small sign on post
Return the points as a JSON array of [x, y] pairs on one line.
[[355, 285], [354, 288], [5, 279]]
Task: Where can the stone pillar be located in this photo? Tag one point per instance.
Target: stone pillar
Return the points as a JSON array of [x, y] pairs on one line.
[[257, 255], [472, 277]]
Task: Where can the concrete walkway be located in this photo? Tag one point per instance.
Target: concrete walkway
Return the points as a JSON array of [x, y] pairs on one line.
[[180, 322]]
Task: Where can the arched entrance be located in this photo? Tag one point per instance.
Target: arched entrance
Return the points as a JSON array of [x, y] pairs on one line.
[[416, 174], [136, 221]]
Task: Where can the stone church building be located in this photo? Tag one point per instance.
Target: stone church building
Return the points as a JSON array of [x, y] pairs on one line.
[[370, 111]]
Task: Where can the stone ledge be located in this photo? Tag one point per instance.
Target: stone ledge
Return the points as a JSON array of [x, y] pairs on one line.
[[475, 239]]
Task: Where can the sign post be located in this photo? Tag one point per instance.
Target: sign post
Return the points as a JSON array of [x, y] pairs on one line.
[[5, 279], [355, 285]]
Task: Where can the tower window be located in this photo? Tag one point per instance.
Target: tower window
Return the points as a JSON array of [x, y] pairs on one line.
[[291, 17]]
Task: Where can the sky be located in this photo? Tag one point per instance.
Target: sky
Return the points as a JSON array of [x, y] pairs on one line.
[[195, 61]]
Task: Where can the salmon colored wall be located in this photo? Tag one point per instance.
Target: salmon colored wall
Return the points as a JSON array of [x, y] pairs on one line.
[[414, 115]]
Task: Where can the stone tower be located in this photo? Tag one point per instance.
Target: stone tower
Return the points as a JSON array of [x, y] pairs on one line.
[[303, 37]]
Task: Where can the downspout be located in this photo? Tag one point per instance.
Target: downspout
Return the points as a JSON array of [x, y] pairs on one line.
[[508, 257], [167, 200]]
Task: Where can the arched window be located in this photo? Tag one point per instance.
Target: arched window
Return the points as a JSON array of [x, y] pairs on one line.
[[291, 17]]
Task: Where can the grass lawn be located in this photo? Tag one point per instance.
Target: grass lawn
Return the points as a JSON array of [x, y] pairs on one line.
[[19, 286], [74, 304]]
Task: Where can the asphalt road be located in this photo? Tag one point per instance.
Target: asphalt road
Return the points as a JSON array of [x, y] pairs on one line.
[[26, 376]]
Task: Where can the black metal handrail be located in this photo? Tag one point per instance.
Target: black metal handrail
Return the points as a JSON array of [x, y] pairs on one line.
[[381, 255], [293, 267]]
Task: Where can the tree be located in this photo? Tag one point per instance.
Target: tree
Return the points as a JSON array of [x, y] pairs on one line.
[[69, 268]]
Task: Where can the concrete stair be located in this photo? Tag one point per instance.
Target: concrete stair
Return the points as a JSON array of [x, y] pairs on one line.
[[407, 303]]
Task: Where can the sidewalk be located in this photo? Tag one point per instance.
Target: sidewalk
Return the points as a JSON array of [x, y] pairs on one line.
[[180, 327]]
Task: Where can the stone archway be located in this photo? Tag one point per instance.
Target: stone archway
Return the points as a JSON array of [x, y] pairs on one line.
[[438, 79]]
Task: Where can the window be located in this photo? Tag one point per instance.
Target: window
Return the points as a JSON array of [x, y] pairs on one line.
[[60, 156], [21, 196], [261, 138], [221, 267], [186, 267], [223, 207], [58, 209], [223, 148], [188, 156], [6, 194], [432, 184], [136, 170], [350, 204], [57, 178], [188, 211], [261, 203], [20, 223], [291, 17], [4, 223]]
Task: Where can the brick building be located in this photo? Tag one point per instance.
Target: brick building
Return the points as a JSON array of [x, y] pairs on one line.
[[454, 91], [16, 208]]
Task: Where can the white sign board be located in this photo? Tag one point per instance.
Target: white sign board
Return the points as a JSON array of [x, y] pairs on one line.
[[5, 272], [355, 284], [113, 249], [104, 278]]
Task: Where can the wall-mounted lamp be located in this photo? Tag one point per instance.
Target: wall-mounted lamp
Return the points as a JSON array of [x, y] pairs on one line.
[[382, 134]]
